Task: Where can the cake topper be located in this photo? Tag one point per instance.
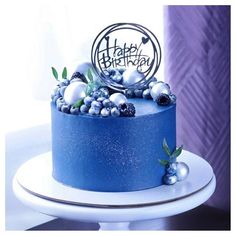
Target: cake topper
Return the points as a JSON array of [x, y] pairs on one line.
[[126, 55]]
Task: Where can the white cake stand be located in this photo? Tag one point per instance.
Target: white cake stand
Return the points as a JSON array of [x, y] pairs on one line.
[[35, 187]]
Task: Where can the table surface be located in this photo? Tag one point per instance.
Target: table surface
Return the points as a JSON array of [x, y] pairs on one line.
[[35, 187]]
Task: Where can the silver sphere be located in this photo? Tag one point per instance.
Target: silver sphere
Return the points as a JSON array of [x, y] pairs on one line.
[[74, 92], [159, 88], [182, 171], [118, 98], [131, 76]]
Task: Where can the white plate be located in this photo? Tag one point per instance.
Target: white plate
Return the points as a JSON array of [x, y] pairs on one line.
[[35, 176]]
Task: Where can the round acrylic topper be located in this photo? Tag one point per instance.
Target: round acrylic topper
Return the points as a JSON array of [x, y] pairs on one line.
[[126, 55]]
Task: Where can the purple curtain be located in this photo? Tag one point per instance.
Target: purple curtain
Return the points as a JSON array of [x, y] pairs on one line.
[[197, 64]]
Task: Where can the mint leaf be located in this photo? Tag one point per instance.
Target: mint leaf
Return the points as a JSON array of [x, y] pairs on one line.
[[177, 152], [64, 73], [54, 72], [78, 103], [163, 162], [166, 148], [89, 75]]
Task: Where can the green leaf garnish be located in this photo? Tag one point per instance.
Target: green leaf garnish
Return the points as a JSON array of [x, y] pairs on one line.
[[89, 75], [78, 103], [177, 152], [64, 73], [54, 72], [90, 87], [166, 148], [163, 162]]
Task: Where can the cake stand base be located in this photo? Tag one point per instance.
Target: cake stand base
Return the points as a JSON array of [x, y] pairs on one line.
[[35, 187]]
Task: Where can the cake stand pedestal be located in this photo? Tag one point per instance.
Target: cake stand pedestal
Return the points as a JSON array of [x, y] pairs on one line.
[[35, 187]]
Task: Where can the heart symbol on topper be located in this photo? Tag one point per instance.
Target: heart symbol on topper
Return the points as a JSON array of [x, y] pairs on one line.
[[145, 40]]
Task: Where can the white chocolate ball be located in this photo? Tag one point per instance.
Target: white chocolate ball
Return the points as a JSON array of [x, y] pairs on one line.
[[159, 88], [131, 76], [118, 98], [182, 171], [74, 92]]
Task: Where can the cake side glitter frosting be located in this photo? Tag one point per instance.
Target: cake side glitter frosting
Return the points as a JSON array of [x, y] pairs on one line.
[[112, 154]]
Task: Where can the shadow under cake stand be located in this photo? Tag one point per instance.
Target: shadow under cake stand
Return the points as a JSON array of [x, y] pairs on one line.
[[34, 185]]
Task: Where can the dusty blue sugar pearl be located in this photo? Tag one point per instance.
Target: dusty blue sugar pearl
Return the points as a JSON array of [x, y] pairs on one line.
[[65, 108], [84, 108], [171, 168], [115, 112], [65, 81], [138, 93], [88, 100], [74, 110]]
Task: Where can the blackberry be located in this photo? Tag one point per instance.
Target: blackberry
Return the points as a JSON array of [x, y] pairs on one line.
[[163, 99], [127, 109], [79, 76]]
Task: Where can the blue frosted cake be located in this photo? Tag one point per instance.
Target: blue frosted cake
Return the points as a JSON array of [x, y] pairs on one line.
[[114, 124]]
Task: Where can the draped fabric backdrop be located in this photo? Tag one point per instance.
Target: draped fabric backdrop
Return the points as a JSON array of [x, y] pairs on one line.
[[197, 62]]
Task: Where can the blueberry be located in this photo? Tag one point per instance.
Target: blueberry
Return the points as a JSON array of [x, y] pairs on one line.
[[62, 90], [96, 94], [84, 108], [61, 84], [54, 99], [96, 104], [101, 99], [127, 109], [104, 92], [163, 99], [60, 101], [107, 103], [146, 94], [138, 93], [91, 111], [74, 110], [65, 108], [172, 98], [88, 100], [169, 179], [129, 93], [65, 81], [115, 112], [171, 168], [112, 72], [105, 112], [121, 71], [117, 78]]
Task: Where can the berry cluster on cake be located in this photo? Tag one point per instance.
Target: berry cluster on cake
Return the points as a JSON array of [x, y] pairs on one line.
[[113, 127]]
